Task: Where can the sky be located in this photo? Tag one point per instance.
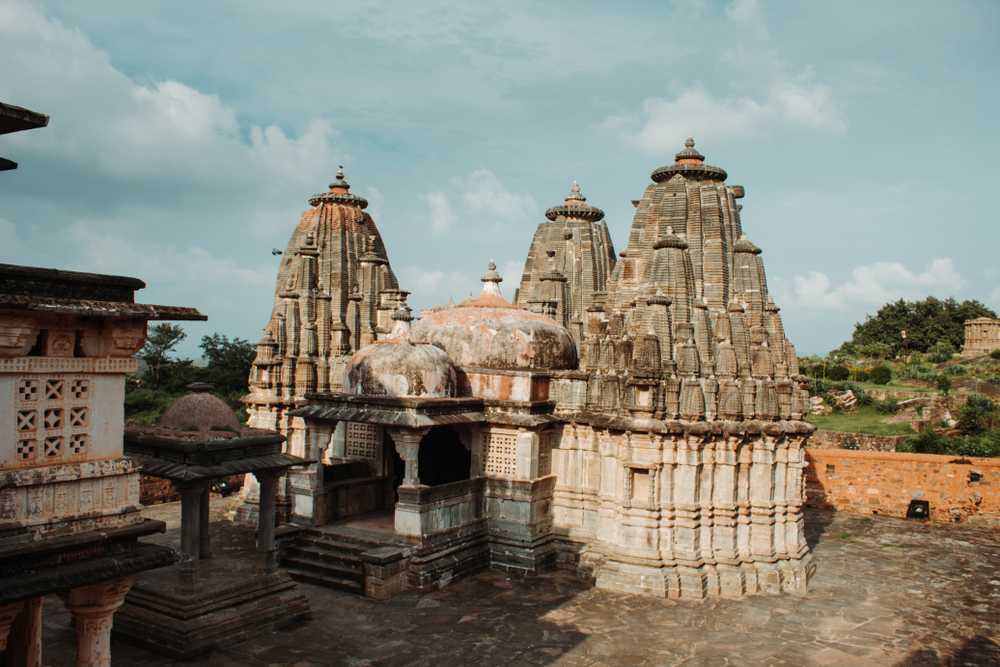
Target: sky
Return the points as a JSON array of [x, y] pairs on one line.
[[185, 139]]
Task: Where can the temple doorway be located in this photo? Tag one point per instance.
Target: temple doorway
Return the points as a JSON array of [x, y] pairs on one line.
[[443, 458], [394, 470]]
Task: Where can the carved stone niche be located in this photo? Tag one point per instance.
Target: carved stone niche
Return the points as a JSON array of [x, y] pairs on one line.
[[17, 336], [121, 338]]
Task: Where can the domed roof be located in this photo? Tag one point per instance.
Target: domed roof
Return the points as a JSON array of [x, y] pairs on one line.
[[491, 332], [200, 411], [397, 366]]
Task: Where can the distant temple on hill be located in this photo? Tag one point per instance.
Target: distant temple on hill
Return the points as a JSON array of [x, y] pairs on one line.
[[982, 336], [638, 418]]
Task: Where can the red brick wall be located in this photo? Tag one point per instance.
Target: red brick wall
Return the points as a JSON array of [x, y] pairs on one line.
[[153, 490], [884, 483]]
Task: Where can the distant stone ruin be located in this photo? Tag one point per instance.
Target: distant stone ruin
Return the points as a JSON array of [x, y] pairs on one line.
[[982, 336]]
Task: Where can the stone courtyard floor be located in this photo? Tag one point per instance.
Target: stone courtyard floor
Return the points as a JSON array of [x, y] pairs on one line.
[[886, 592]]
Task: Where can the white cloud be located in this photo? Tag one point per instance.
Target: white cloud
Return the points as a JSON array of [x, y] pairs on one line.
[[440, 212], [663, 123], [995, 297], [485, 196], [870, 285]]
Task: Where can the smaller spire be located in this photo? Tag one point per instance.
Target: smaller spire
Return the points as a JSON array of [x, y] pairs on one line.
[[491, 280], [401, 318]]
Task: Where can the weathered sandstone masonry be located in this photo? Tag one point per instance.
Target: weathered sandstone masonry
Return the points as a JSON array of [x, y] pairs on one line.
[[982, 336], [69, 499]]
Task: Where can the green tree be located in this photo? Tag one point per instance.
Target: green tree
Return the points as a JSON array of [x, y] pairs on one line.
[[925, 323], [160, 342], [229, 362], [978, 415]]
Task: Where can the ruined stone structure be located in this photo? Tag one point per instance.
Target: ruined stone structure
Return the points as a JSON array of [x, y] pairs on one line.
[[639, 421], [335, 293], [569, 261], [982, 336], [69, 498], [210, 599]]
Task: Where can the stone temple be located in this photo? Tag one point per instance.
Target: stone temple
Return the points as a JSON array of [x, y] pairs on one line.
[[637, 419]]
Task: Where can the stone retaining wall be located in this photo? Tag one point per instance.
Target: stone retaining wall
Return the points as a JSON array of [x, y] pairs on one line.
[[860, 482], [865, 441]]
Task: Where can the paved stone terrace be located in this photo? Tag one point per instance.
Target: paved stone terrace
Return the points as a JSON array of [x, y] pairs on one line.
[[887, 592]]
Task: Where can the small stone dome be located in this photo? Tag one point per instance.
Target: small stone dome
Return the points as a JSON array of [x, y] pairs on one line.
[[398, 367], [490, 332], [200, 411]]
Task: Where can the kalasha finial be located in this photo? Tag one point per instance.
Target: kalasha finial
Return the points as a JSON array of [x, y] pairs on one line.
[[340, 167], [575, 194], [689, 142], [491, 280]]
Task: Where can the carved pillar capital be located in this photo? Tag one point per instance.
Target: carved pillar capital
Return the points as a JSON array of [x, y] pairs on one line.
[[407, 442], [93, 608]]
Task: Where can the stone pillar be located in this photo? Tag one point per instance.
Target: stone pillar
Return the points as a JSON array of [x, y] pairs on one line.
[[407, 520], [93, 608], [407, 443], [24, 643], [191, 500], [268, 481], [204, 541], [8, 615]]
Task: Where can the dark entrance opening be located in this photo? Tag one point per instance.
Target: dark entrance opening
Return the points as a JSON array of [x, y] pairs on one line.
[[395, 470], [443, 457]]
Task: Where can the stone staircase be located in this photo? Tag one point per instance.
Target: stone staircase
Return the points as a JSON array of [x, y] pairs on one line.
[[334, 560]]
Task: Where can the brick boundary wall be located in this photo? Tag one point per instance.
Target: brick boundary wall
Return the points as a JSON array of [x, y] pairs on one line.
[[860, 482], [154, 490], [865, 441]]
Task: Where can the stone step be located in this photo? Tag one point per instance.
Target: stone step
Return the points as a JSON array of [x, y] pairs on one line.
[[336, 544], [323, 558], [325, 580]]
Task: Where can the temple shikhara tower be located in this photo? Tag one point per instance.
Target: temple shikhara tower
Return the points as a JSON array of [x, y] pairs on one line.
[[335, 293], [639, 420]]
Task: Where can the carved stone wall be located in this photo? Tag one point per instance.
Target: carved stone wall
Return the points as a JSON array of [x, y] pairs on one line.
[[982, 336]]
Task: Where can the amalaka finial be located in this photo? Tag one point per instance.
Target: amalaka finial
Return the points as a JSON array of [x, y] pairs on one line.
[[340, 168], [689, 142], [574, 193], [491, 280]]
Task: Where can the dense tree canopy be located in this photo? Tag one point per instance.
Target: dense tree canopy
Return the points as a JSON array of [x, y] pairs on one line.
[[925, 322]]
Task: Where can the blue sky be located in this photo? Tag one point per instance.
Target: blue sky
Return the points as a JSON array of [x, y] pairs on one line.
[[185, 138]]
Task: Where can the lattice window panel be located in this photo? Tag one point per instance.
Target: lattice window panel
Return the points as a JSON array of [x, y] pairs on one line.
[[79, 389], [53, 418], [78, 443], [27, 390], [53, 446], [79, 417], [27, 420], [501, 454], [54, 389], [26, 450], [362, 441]]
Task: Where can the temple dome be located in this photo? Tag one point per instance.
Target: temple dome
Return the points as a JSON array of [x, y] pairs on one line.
[[397, 366], [200, 411], [490, 332]]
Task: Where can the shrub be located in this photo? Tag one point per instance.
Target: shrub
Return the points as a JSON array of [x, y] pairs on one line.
[[881, 375], [995, 354], [941, 351], [978, 415], [887, 407], [838, 373], [958, 369], [943, 384]]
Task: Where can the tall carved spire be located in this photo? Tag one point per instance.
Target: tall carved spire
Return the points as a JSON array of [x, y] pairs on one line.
[[583, 255]]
